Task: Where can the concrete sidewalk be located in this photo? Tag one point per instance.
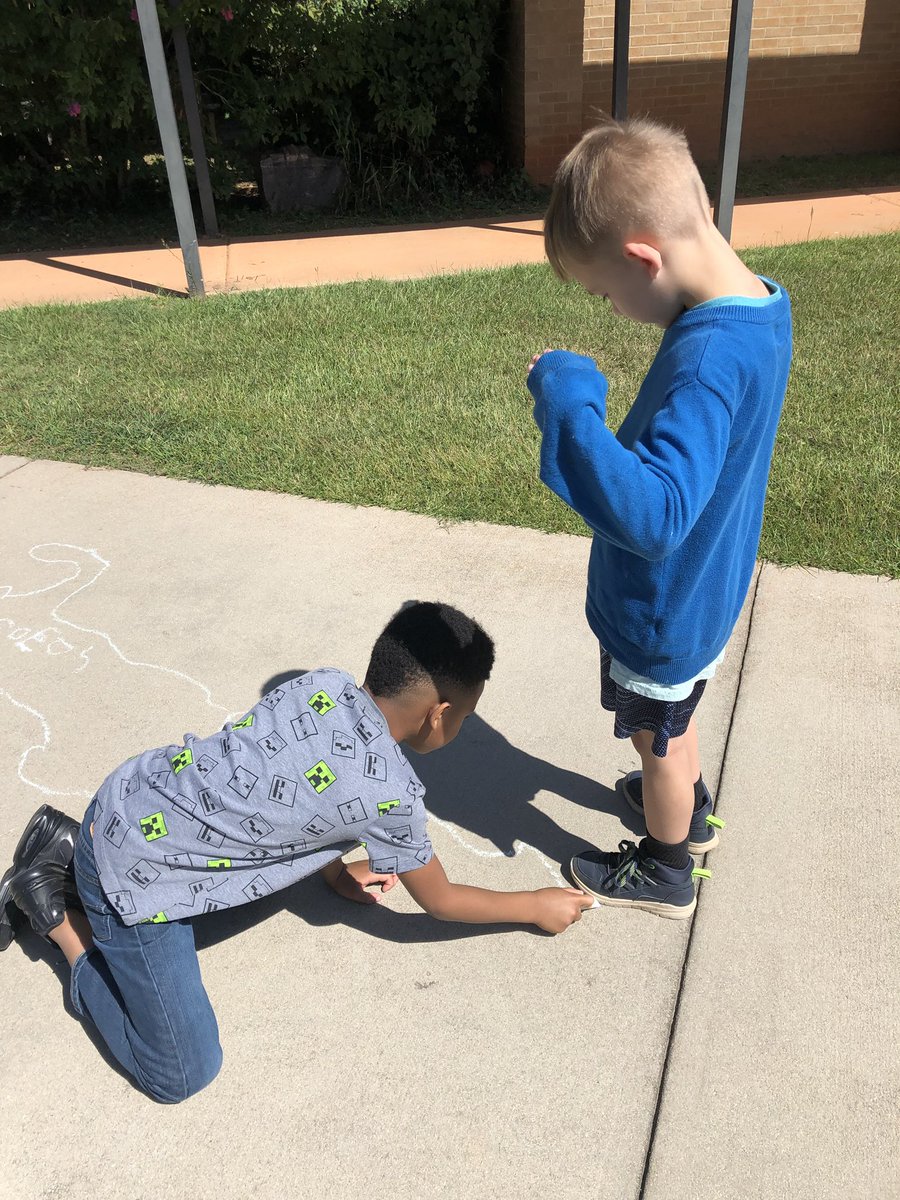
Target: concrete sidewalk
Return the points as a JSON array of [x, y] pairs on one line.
[[747, 1053], [249, 264]]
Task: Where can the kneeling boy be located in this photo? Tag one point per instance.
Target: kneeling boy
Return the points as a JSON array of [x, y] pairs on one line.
[[313, 770]]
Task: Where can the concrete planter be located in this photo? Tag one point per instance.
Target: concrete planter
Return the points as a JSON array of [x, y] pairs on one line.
[[295, 178]]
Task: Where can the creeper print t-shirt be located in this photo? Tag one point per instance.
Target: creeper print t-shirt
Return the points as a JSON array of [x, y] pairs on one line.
[[308, 774]]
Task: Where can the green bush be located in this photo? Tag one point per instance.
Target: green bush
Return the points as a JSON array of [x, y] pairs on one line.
[[402, 89]]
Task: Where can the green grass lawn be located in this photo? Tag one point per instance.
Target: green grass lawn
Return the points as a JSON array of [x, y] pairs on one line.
[[411, 395]]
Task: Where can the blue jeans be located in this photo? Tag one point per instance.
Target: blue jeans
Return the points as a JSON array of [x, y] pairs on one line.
[[141, 987]]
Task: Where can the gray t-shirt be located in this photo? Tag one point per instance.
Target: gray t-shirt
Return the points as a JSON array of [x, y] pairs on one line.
[[311, 772]]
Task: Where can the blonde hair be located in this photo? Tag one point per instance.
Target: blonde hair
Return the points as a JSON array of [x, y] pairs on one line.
[[624, 178]]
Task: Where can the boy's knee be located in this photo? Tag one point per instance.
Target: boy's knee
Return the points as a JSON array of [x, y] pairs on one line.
[[172, 1085], [677, 748], [676, 754]]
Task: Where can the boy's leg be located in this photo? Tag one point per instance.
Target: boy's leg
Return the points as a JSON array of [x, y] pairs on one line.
[[692, 745], [702, 834], [668, 785], [657, 875], [141, 987]]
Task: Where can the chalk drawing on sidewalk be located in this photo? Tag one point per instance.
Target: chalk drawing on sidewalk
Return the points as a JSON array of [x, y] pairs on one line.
[[48, 638], [37, 627], [83, 646], [40, 747]]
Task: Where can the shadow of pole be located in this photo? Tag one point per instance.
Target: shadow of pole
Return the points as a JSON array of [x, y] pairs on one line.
[[136, 285]]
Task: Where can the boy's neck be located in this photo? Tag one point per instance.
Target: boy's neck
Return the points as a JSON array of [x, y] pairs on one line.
[[707, 268], [403, 715]]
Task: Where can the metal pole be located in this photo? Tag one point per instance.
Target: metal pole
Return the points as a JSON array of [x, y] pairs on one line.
[[171, 143], [732, 113], [192, 112], [621, 42]]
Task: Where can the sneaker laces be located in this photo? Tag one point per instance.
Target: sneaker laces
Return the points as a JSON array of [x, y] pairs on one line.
[[630, 871]]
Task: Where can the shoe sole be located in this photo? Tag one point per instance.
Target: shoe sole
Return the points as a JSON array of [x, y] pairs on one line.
[[672, 912], [7, 913], [693, 847]]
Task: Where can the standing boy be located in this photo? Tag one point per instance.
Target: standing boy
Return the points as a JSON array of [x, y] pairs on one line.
[[675, 498], [314, 770]]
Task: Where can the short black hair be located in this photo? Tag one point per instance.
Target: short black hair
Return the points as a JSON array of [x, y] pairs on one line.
[[429, 641]]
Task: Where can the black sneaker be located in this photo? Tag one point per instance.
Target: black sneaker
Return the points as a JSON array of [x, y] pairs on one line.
[[49, 837], [628, 880], [703, 835]]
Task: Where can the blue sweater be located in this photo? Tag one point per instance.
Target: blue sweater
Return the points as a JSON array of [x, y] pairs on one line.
[[675, 498]]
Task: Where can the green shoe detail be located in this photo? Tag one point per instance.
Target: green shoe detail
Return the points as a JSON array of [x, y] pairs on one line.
[[716, 822], [701, 873]]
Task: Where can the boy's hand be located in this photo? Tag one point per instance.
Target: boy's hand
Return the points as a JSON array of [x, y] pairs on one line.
[[558, 908], [353, 878], [536, 357]]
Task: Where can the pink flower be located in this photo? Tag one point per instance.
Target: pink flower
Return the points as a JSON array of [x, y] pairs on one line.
[[74, 109], [133, 14], [227, 14]]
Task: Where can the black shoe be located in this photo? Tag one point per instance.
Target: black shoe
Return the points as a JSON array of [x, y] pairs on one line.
[[42, 892], [626, 879], [49, 837]]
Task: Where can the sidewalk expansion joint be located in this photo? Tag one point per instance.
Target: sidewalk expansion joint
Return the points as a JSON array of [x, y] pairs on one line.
[[676, 1009], [7, 474]]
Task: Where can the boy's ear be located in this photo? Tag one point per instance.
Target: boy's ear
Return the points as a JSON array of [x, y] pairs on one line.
[[436, 712], [645, 255]]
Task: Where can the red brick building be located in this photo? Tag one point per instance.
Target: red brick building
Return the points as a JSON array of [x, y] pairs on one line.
[[824, 75]]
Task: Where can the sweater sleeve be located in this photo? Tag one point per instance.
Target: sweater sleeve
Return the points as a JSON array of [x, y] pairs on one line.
[[647, 499]]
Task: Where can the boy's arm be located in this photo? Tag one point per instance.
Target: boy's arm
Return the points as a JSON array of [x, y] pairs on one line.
[[553, 909], [644, 500]]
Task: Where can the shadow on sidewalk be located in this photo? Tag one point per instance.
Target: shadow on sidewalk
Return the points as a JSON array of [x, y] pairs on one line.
[[137, 285], [313, 902], [484, 783]]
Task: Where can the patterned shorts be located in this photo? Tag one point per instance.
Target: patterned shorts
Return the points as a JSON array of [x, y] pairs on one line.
[[663, 718]]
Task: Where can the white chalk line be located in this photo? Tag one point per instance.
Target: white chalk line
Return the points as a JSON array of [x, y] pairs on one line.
[[7, 593], [44, 746], [518, 847], [54, 612]]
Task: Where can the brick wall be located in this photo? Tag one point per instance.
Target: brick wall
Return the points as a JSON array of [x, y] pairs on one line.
[[824, 75], [698, 29], [544, 95]]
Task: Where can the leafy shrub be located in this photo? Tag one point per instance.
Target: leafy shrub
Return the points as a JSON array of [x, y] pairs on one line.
[[402, 89]]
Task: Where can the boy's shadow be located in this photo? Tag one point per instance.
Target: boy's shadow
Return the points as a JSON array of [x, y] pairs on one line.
[[481, 781], [313, 901]]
